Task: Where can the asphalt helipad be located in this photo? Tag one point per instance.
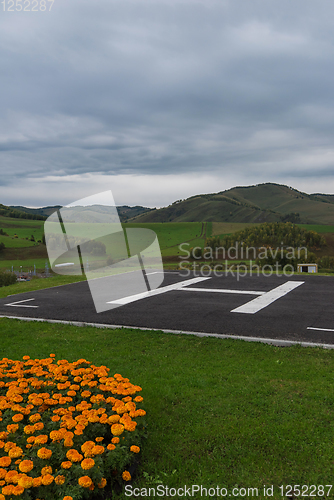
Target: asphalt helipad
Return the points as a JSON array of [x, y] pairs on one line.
[[278, 308]]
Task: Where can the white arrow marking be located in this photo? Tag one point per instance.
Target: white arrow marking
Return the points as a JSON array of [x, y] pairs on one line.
[[19, 303], [255, 305]]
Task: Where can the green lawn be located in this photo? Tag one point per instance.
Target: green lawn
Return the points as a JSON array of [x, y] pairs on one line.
[[318, 228], [221, 413]]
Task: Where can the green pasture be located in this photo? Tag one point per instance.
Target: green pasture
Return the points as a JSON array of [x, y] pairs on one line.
[[318, 228], [224, 413], [11, 242], [23, 228]]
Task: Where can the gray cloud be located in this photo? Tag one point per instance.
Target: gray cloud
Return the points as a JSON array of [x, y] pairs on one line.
[[236, 90]]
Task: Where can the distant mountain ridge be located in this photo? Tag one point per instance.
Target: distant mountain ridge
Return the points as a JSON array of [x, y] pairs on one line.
[[125, 212], [268, 202]]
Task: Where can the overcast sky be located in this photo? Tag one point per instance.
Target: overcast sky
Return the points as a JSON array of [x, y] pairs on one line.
[[159, 100]]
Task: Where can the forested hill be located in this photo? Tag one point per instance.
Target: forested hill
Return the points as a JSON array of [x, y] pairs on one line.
[[261, 203]]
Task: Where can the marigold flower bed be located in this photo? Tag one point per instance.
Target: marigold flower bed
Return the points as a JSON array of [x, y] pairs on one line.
[[67, 430]]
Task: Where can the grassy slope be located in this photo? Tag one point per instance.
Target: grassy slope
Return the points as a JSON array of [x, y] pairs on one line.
[[219, 412]]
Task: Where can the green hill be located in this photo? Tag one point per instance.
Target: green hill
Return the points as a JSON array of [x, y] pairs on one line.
[[261, 203]]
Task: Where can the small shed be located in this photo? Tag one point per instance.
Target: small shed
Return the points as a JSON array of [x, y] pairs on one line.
[[307, 268]]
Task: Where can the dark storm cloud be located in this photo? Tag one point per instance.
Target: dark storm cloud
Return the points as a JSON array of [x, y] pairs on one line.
[[168, 87]]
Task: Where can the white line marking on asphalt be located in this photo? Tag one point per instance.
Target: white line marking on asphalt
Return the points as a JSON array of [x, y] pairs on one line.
[[277, 342], [255, 305], [19, 303], [221, 290], [157, 291], [321, 329]]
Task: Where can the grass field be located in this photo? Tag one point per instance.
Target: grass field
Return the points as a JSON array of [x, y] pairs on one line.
[[220, 412], [318, 228]]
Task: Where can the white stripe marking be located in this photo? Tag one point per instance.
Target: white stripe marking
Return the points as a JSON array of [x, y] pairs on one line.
[[255, 305], [220, 290], [320, 329], [157, 291], [19, 303]]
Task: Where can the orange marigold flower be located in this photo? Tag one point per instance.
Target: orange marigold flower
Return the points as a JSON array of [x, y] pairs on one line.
[[47, 479], [99, 439], [66, 465], [111, 447], [17, 417], [102, 483], [68, 497], [113, 419], [87, 463], [8, 490], [3, 472], [44, 453], [60, 480], [37, 482], [39, 426], [87, 446], [25, 482], [117, 429], [12, 428], [97, 450], [55, 418], [15, 452], [85, 481], [115, 440], [74, 455], [34, 418], [138, 399], [126, 475], [26, 465], [41, 439], [46, 470], [29, 429], [135, 449]]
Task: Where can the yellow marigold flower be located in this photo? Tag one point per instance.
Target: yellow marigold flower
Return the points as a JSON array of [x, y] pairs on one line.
[[126, 476], [102, 483], [37, 482], [66, 465], [17, 417], [46, 470], [25, 482], [26, 465], [117, 429], [44, 453], [15, 452], [87, 463], [34, 418], [47, 479], [135, 449], [97, 450], [85, 481], [111, 447], [115, 440], [60, 480]]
